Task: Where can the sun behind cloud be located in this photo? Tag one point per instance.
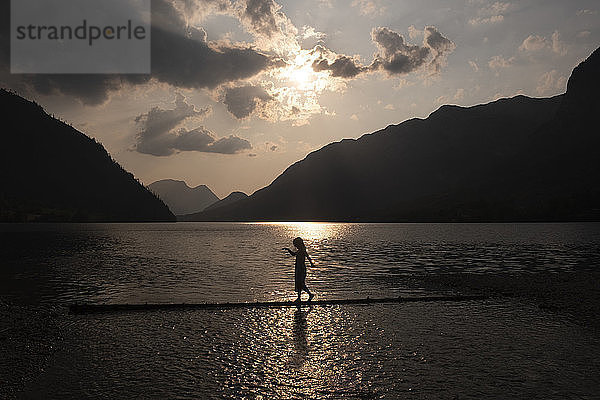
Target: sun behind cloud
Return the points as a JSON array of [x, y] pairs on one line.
[[300, 73], [302, 76]]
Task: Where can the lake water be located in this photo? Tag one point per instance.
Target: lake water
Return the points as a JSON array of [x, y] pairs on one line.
[[498, 348]]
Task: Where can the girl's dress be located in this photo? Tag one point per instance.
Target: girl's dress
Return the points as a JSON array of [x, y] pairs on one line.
[[300, 270]]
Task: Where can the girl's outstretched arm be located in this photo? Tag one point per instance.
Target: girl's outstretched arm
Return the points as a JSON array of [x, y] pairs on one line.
[[290, 251]]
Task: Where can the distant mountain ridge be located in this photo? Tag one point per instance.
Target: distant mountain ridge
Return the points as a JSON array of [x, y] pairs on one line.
[[181, 198], [228, 200], [231, 198], [49, 171], [516, 159]]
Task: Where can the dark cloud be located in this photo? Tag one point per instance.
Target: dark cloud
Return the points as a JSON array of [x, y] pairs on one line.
[[159, 137], [228, 145], [181, 56], [343, 66], [440, 47], [241, 101], [398, 57], [199, 139], [262, 16], [395, 55], [90, 89]]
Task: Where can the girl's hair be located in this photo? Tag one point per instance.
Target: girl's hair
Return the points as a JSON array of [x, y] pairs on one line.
[[299, 243]]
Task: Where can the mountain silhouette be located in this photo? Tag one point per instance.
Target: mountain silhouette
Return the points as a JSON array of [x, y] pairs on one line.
[[181, 198], [515, 159], [52, 172], [231, 198]]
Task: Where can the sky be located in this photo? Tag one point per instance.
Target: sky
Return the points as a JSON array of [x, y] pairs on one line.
[[241, 89]]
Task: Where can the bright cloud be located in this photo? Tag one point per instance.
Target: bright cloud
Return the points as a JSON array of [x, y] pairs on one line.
[[369, 8], [490, 14], [551, 82], [499, 62], [536, 43]]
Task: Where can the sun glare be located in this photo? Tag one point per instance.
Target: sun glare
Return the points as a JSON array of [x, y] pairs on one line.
[[301, 76], [311, 231], [298, 86]]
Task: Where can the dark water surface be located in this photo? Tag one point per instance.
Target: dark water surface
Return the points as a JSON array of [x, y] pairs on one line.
[[200, 262], [499, 348]]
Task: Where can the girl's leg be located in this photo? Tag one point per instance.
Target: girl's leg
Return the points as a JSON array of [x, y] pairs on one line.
[[310, 295], [299, 294]]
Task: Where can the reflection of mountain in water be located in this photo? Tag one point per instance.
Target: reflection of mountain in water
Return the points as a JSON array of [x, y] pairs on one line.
[[512, 159]]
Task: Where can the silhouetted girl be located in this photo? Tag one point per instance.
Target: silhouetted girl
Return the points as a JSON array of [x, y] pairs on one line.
[[300, 267]]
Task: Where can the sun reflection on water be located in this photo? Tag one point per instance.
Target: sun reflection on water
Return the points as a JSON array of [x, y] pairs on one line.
[[312, 231]]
